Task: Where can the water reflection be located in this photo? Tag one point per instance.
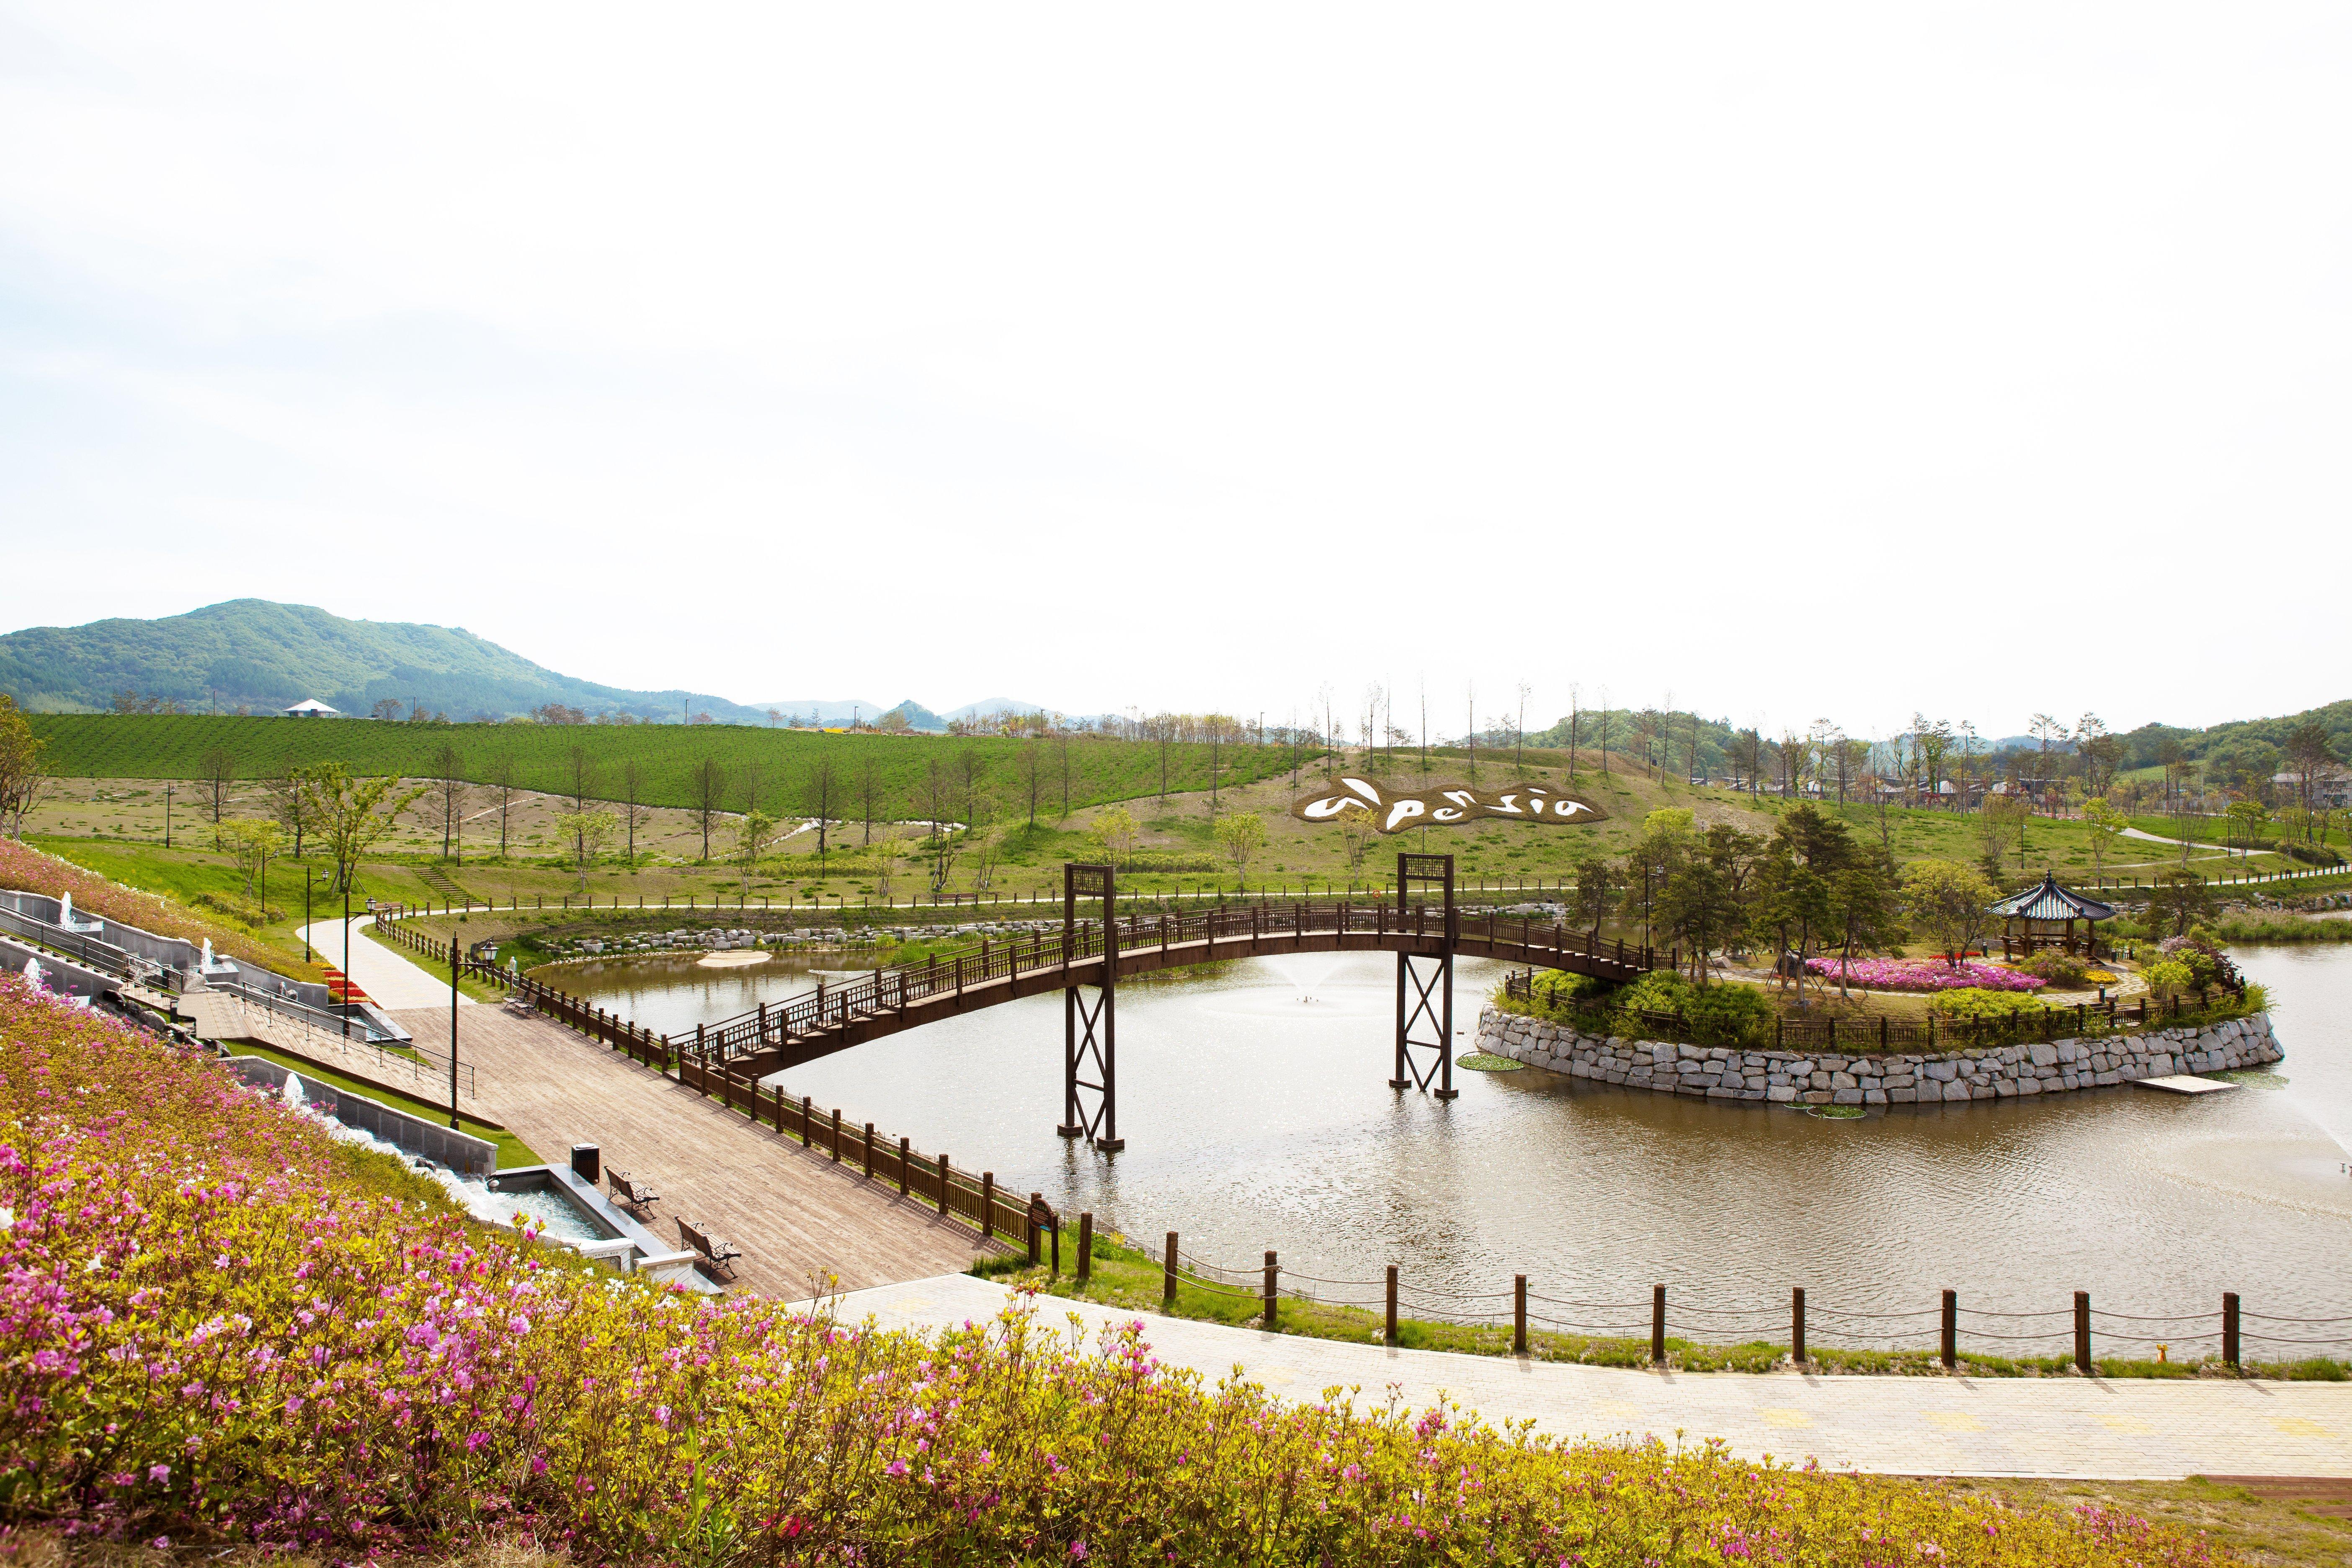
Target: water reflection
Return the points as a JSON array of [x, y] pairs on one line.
[[1254, 1103]]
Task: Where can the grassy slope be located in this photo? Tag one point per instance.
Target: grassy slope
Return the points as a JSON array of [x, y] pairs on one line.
[[175, 746]]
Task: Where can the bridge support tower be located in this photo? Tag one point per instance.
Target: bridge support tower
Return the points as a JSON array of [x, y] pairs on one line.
[[1090, 1033], [1425, 1017]]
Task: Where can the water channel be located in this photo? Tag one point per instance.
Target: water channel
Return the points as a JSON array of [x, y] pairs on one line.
[[1256, 1112]]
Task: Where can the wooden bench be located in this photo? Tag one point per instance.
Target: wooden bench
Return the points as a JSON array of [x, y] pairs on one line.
[[633, 1193], [520, 1006], [716, 1252]]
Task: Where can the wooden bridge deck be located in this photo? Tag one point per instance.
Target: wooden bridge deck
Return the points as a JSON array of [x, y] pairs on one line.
[[797, 1216], [867, 1011]]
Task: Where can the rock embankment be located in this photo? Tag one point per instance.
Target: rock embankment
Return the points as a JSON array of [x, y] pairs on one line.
[[1994, 1072]]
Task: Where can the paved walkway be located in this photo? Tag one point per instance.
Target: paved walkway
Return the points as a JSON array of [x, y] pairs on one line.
[[390, 981], [797, 1216], [2125, 1428]]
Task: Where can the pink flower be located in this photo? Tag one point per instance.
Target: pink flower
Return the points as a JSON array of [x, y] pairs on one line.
[[159, 1474]]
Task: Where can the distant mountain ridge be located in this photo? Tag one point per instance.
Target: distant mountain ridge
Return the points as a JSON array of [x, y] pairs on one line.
[[265, 656]]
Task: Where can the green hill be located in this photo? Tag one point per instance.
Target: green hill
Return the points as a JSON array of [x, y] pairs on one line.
[[252, 653], [777, 765]]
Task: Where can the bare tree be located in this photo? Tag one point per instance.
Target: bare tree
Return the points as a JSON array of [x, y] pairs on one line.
[[821, 796], [869, 794], [503, 779], [219, 764], [1519, 731], [581, 767], [1033, 773], [1061, 742], [707, 786], [633, 810], [449, 783], [288, 803]]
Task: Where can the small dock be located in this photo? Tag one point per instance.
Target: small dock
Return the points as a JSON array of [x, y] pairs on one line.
[[2183, 1083]]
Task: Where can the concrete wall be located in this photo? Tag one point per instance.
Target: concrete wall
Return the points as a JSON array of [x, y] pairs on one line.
[[1817, 1078], [61, 974], [433, 1140], [171, 951]]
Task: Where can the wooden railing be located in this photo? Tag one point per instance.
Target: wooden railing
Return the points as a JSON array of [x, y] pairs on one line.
[[932, 1179], [1244, 929]]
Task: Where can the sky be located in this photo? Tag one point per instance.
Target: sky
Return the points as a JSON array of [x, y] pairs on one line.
[[1786, 362]]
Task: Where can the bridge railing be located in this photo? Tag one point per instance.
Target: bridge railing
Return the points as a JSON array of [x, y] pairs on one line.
[[992, 959]]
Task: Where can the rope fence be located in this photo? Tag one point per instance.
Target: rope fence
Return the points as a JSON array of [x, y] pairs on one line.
[[1940, 1329]]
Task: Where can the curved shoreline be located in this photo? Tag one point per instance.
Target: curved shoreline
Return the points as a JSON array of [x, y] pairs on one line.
[[1846, 1078]]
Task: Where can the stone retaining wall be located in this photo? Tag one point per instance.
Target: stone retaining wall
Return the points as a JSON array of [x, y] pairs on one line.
[[1996, 1072]]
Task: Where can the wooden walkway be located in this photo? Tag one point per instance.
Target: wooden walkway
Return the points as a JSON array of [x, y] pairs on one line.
[[797, 1216]]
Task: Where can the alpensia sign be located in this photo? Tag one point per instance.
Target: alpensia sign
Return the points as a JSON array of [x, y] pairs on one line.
[[1395, 812]]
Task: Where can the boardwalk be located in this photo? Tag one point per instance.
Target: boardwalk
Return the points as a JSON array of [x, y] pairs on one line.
[[796, 1216], [2123, 1428]]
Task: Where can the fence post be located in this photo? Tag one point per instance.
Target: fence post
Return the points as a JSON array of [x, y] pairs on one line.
[[1951, 1330], [906, 1163], [1658, 1325], [2082, 1332], [1168, 1273], [1085, 1246], [1030, 1224], [1392, 1335], [837, 1135], [2229, 1327], [943, 1186], [869, 1151], [1518, 1314], [1797, 1325], [1273, 1271], [988, 1204]]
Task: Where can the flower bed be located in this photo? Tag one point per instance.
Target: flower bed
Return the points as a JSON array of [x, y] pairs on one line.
[[1932, 974], [219, 1325]]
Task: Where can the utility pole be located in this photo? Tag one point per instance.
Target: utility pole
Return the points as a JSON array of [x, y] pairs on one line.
[[168, 787]]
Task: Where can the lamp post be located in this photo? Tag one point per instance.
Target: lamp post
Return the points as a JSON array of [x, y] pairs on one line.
[[168, 787], [453, 1031], [309, 876], [346, 965]]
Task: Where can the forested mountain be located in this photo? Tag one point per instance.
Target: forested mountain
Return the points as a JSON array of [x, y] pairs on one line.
[[257, 656]]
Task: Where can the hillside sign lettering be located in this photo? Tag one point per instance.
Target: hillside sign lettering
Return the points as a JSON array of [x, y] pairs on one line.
[[1395, 812]]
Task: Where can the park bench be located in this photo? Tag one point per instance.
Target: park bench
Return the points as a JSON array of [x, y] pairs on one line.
[[520, 1006], [633, 1193], [717, 1253]]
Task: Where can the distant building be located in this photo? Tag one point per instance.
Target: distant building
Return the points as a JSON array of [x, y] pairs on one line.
[[311, 708], [2331, 789]]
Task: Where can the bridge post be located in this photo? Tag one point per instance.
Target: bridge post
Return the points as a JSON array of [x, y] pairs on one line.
[[1425, 982], [1090, 1034]]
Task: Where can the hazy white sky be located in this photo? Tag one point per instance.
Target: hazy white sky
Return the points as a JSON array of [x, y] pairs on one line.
[[1794, 361]]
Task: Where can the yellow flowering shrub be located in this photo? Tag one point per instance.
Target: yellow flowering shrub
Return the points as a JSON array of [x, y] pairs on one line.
[[213, 1326]]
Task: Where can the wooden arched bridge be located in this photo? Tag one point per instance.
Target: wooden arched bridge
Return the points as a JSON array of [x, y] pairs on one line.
[[1096, 948]]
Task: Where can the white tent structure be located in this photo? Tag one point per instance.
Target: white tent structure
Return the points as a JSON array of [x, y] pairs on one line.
[[311, 708]]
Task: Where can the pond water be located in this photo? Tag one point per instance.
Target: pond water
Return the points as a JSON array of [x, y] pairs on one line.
[[1256, 1112]]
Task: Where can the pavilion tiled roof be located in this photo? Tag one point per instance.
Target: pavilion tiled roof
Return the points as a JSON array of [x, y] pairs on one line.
[[2052, 902]]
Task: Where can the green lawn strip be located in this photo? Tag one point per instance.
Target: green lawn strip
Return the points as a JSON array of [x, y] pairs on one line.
[[2273, 1527], [513, 1151], [480, 989], [1127, 1279]]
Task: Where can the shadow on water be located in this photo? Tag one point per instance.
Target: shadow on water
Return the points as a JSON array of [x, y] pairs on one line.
[[1254, 1103]]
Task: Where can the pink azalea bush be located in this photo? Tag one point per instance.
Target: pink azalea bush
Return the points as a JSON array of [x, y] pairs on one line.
[[218, 1326], [1934, 974]]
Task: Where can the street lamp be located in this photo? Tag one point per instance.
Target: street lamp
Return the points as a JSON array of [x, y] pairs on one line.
[[168, 787], [346, 965], [453, 1031]]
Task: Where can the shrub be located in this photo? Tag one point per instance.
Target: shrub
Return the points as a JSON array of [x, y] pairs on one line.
[[2169, 976], [2208, 964], [2062, 970], [212, 1332], [1729, 1014], [1975, 1005]]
